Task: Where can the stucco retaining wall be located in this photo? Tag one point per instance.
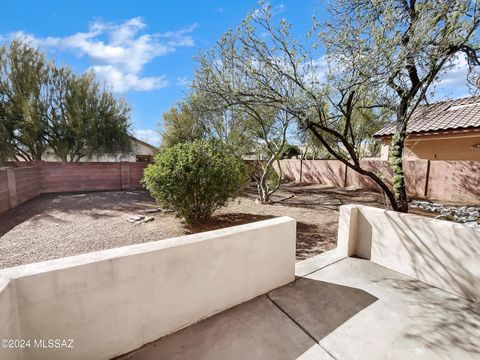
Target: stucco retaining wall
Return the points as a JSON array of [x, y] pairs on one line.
[[440, 253], [114, 301]]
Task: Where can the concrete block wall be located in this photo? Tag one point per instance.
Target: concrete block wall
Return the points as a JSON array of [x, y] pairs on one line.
[[113, 301], [67, 177], [4, 193], [23, 181], [450, 181]]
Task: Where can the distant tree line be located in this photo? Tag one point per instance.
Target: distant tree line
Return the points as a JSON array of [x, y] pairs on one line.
[[47, 107]]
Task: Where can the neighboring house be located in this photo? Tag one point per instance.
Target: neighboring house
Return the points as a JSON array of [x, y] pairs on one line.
[[447, 130], [141, 152]]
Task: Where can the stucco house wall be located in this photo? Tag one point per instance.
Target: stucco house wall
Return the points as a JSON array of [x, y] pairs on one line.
[[139, 148], [464, 146]]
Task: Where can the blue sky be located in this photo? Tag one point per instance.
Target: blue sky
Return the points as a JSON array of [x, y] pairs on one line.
[[145, 49]]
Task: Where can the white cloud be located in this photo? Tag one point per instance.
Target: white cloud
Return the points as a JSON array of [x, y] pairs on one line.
[[149, 136], [183, 81], [118, 51], [455, 76], [219, 10], [121, 81], [274, 10]]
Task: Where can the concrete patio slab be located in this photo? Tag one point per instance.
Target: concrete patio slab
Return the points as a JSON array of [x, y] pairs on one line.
[[350, 309], [356, 309], [254, 330]]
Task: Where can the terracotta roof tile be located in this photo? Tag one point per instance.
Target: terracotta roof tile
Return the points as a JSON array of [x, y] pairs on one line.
[[461, 113]]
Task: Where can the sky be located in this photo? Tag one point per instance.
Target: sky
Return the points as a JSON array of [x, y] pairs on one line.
[[145, 49]]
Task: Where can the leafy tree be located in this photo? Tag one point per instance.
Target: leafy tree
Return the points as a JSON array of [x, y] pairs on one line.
[[195, 178], [96, 121], [290, 151], [23, 75], [43, 106], [181, 124], [222, 123]]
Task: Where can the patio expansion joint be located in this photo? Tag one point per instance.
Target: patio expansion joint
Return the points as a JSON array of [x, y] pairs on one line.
[[295, 321], [298, 277], [298, 325]]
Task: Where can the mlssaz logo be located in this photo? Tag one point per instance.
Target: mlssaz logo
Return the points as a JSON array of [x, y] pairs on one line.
[[53, 343]]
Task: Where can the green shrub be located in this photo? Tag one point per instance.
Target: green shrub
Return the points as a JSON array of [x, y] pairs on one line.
[[195, 178]]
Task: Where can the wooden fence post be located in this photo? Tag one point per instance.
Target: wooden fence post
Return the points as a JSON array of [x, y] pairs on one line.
[[427, 178]]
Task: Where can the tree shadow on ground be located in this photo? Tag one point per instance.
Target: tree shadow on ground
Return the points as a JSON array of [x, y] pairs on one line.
[[444, 322], [311, 239], [226, 220], [316, 196]]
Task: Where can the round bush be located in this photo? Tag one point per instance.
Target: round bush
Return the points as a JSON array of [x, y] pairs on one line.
[[195, 178]]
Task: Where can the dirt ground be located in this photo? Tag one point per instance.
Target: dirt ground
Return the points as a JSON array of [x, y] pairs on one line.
[[57, 225]]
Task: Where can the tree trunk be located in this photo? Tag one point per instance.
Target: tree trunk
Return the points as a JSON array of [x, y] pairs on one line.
[[398, 178]]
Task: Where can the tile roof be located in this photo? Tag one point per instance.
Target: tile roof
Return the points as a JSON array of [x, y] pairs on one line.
[[456, 114]]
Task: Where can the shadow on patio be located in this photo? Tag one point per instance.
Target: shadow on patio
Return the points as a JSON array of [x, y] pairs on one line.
[[263, 329]]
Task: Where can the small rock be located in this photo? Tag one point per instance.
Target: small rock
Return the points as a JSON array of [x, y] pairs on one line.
[[475, 213], [135, 218], [470, 209], [471, 218], [150, 211], [147, 219]]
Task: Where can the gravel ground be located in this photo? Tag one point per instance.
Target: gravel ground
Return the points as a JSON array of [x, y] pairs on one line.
[[57, 225]]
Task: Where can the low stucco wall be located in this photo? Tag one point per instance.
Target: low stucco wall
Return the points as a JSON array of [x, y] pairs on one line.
[[440, 253], [114, 301]]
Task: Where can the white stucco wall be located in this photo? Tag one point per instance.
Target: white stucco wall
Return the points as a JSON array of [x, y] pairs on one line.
[[114, 301], [440, 253]]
